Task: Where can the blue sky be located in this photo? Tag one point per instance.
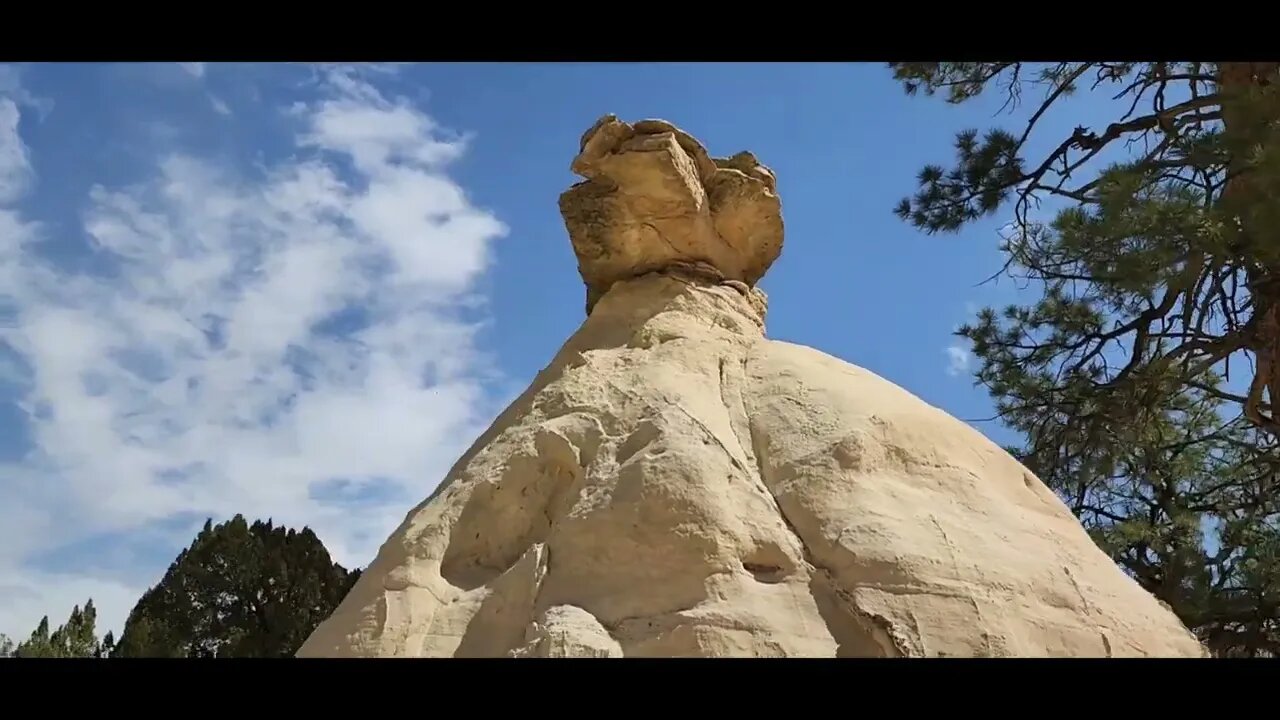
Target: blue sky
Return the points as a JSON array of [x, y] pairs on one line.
[[299, 292]]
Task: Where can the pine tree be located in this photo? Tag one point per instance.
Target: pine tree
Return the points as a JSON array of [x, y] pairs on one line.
[[77, 638], [108, 646], [1158, 279], [38, 645], [239, 590]]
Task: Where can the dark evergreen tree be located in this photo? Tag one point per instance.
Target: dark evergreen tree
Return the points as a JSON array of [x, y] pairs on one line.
[[239, 590], [108, 646], [77, 638], [38, 645], [1158, 279]]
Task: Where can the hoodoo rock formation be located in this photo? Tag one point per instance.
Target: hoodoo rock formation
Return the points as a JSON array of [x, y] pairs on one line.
[[676, 484]]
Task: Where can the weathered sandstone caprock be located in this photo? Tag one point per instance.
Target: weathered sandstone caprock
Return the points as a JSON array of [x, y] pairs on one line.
[[676, 484]]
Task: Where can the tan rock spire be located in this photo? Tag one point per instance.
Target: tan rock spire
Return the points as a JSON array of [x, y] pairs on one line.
[[654, 199], [675, 484]]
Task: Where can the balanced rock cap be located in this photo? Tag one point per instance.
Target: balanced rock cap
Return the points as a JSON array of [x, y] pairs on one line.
[[654, 198]]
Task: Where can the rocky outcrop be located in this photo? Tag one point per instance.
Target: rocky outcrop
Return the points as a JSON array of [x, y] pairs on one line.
[[654, 197], [676, 484]]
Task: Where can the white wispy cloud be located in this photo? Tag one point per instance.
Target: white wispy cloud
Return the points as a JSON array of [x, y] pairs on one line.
[[958, 360], [219, 106], [258, 338], [195, 69], [15, 164], [11, 88]]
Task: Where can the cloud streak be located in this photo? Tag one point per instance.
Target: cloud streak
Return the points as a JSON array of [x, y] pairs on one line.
[[15, 165], [958, 360], [254, 338], [194, 69]]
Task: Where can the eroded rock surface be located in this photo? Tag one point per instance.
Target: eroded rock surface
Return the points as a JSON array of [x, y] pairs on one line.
[[676, 484], [653, 196]]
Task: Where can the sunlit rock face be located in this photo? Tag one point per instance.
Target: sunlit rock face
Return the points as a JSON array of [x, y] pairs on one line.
[[676, 484]]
